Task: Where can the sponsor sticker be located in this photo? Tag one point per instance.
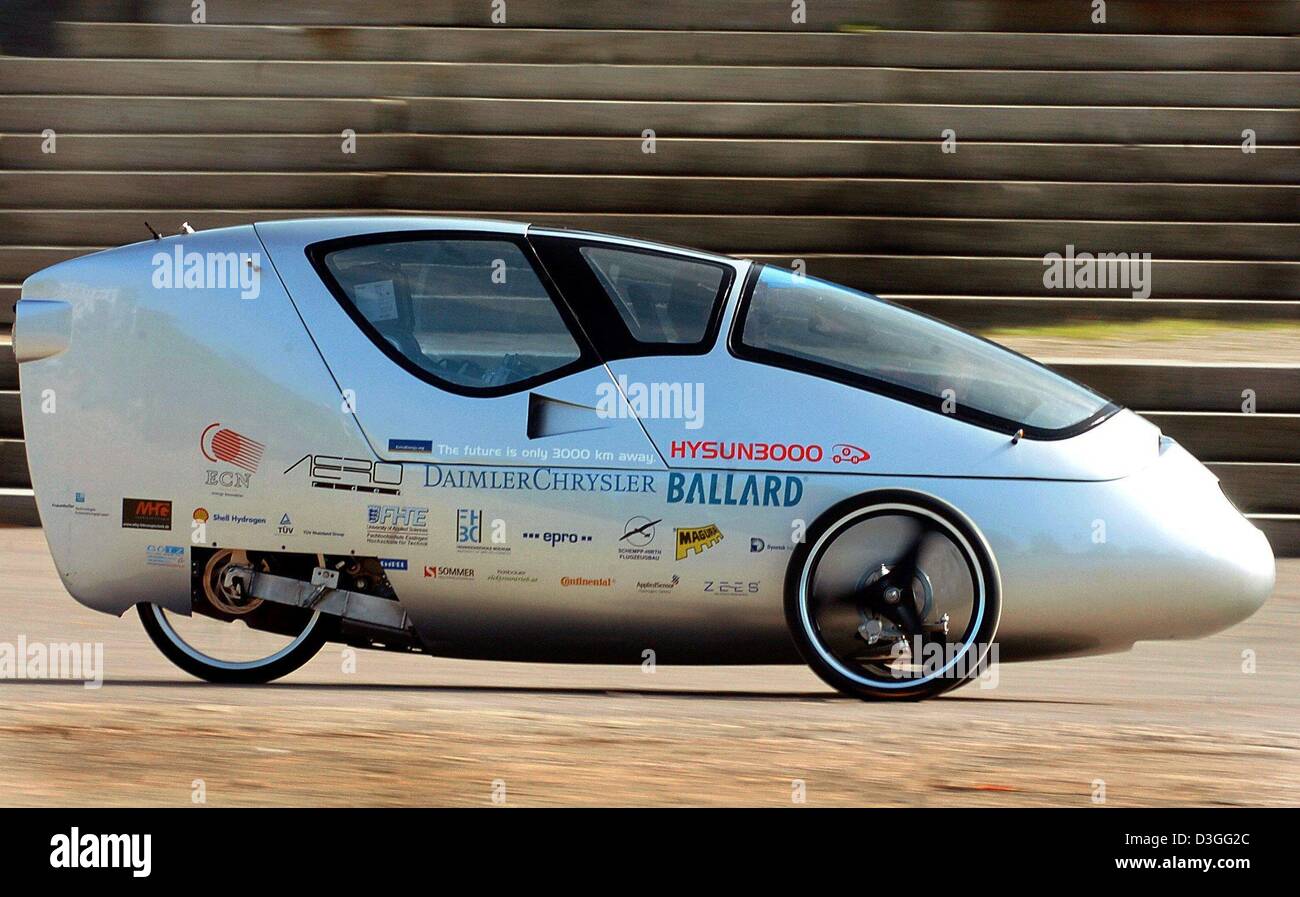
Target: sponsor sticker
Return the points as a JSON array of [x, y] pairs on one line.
[[755, 490], [436, 571], [351, 474], [601, 582], [397, 525], [696, 539], [636, 543], [146, 513], [555, 539], [223, 445], [238, 519], [79, 507], [506, 574], [419, 446], [164, 555], [658, 586], [542, 479], [393, 563]]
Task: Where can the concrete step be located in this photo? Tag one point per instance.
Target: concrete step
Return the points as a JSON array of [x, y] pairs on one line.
[[1175, 386], [915, 49], [461, 115], [1046, 123], [980, 312], [18, 508], [1024, 276], [8, 365], [184, 115], [650, 82], [11, 415], [725, 233], [13, 465], [1261, 488], [672, 156], [1283, 531], [1233, 437], [497, 193], [1130, 17]]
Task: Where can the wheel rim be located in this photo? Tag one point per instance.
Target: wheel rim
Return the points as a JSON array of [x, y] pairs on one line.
[[221, 630], [891, 570], [226, 645]]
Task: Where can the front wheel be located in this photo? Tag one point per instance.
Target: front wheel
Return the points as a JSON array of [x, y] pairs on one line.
[[893, 596]]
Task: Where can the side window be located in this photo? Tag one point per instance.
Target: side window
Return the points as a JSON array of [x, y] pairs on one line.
[[661, 299], [471, 312]]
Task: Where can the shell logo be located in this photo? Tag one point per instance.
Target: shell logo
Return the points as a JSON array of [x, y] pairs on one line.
[[201, 515]]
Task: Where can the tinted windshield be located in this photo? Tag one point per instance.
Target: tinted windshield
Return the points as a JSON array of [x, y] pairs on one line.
[[809, 324]]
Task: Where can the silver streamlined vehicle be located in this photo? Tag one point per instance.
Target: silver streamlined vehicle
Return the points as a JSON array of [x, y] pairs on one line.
[[488, 440]]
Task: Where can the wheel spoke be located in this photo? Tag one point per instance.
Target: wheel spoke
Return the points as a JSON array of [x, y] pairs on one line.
[[887, 578]]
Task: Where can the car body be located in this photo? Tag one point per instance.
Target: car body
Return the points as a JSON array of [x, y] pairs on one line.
[[561, 446]]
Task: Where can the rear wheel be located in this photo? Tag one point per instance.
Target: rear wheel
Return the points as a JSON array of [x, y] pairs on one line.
[[230, 638], [893, 596]]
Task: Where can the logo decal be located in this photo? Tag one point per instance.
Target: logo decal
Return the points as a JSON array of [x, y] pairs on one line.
[[696, 539], [352, 474], [555, 539], [845, 452], [469, 526], [634, 544], [735, 489], [228, 447], [419, 446], [146, 513], [639, 531], [397, 525], [164, 555], [603, 582], [432, 571]]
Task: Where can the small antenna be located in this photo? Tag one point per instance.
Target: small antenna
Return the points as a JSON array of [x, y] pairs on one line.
[[185, 228], [156, 235], [1018, 436]]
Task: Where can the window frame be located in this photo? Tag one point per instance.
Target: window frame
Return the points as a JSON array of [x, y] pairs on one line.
[[562, 255], [888, 389], [587, 358]]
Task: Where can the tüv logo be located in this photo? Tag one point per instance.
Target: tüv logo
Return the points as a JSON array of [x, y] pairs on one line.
[[181, 270]]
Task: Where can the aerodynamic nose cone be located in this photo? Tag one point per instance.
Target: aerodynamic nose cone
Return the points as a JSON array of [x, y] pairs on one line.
[[1233, 571], [1247, 577], [1206, 566]]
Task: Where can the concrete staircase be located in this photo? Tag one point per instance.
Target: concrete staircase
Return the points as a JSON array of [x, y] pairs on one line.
[[774, 140]]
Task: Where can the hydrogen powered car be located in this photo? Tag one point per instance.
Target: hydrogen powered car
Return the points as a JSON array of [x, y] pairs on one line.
[[489, 440]]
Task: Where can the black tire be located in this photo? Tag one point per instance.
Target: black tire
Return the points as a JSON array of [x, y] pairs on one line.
[[803, 564], [254, 673]]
